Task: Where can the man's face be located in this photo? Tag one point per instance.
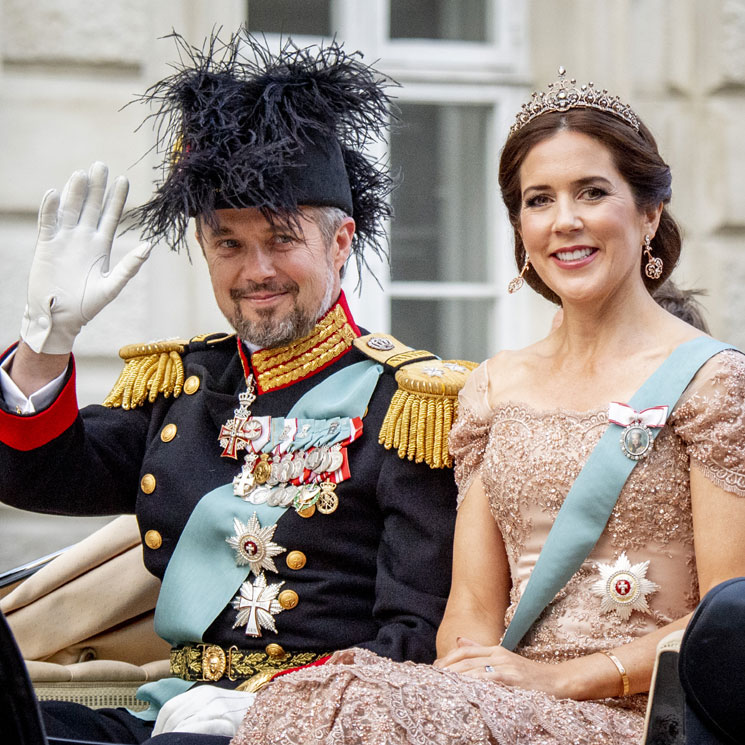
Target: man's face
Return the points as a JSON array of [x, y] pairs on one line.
[[273, 282]]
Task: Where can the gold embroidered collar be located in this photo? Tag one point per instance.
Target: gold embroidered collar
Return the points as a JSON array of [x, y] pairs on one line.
[[332, 336]]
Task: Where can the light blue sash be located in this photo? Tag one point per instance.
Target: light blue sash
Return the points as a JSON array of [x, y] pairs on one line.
[[588, 506], [201, 579]]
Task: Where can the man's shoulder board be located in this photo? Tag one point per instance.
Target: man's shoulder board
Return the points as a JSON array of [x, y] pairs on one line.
[[155, 368], [423, 408]]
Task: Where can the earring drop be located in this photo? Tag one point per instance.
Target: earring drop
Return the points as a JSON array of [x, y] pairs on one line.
[[653, 269], [516, 283]]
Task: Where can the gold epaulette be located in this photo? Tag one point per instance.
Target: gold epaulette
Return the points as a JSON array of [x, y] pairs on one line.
[[149, 369], [423, 408]]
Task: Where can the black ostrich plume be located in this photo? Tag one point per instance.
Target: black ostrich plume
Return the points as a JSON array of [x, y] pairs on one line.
[[238, 125]]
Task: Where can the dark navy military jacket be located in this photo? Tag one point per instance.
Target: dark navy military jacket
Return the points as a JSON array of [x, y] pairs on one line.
[[377, 570]]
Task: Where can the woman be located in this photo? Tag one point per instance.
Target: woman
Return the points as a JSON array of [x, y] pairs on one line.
[[586, 191]]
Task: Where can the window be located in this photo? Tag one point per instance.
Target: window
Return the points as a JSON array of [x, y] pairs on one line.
[[458, 63], [290, 17], [464, 20]]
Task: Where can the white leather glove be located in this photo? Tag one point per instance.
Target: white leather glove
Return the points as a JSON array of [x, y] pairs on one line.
[[206, 710], [70, 280]]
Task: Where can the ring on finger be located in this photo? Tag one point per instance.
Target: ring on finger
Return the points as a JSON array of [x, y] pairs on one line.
[[488, 668]]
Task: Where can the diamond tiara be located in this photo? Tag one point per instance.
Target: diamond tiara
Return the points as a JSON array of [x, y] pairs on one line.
[[563, 95]]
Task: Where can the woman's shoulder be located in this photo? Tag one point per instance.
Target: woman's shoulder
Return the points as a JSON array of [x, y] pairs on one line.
[[717, 388], [723, 370], [499, 378]]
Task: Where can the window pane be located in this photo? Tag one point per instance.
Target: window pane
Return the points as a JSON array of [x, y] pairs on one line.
[[306, 17], [452, 329], [439, 226], [464, 20]]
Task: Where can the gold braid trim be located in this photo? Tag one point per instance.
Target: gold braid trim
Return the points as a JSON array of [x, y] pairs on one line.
[[423, 409], [149, 369], [331, 336]]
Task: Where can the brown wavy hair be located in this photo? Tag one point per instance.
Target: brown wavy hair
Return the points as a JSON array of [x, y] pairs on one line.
[[635, 156]]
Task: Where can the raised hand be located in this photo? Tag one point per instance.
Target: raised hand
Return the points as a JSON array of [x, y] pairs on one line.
[[71, 279]]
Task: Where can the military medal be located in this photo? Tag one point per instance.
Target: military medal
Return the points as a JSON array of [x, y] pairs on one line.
[[327, 499], [636, 438], [253, 545], [239, 431], [306, 497], [257, 605], [262, 470], [623, 587]]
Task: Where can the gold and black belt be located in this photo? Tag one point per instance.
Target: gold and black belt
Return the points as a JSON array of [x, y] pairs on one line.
[[211, 662]]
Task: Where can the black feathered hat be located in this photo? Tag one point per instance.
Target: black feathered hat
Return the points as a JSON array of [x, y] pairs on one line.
[[241, 126]]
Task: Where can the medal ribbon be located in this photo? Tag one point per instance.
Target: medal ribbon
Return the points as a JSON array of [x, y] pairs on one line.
[[623, 415]]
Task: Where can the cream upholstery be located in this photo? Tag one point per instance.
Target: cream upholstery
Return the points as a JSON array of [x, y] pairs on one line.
[[84, 622]]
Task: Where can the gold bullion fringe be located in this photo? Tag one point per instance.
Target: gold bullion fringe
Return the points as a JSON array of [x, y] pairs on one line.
[[149, 370], [417, 425], [422, 411]]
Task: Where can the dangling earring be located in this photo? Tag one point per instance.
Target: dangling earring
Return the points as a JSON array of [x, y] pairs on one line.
[[516, 283], [653, 269]]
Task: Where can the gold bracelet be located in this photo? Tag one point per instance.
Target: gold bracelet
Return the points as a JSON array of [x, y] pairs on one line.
[[621, 670]]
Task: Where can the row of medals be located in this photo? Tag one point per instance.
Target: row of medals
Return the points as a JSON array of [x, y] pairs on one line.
[[265, 478], [262, 480]]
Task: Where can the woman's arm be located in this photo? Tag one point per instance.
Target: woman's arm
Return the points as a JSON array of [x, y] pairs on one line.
[[719, 534], [480, 589]]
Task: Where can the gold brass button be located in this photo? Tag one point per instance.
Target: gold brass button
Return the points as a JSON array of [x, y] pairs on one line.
[[153, 539], [296, 560], [147, 484], [191, 385], [275, 651], [288, 599], [168, 432]]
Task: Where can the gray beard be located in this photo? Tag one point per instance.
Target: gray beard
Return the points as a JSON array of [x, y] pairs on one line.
[[269, 332]]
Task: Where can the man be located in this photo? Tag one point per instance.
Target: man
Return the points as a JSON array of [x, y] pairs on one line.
[[281, 528]]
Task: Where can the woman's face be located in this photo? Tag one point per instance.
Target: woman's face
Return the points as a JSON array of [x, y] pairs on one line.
[[578, 220]]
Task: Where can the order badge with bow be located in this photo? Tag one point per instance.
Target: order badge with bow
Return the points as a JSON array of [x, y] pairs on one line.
[[636, 438]]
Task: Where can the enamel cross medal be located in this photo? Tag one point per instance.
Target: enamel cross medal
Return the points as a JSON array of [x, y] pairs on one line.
[[238, 433]]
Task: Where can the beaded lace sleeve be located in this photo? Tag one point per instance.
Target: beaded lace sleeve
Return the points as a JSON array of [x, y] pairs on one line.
[[470, 433], [710, 419]]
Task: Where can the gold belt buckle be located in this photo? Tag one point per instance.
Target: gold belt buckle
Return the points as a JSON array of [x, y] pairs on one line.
[[214, 662]]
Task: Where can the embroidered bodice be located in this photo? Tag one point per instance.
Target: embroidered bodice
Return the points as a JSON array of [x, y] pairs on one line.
[[528, 461]]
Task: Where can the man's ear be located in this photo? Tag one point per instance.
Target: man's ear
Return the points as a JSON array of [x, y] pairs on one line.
[[342, 244]]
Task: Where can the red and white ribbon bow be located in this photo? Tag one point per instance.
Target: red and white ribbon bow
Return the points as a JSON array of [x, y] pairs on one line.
[[623, 415]]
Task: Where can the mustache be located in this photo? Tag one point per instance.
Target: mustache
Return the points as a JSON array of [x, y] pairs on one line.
[[250, 288]]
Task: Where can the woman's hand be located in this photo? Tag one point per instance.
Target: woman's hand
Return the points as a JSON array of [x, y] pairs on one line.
[[499, 664]]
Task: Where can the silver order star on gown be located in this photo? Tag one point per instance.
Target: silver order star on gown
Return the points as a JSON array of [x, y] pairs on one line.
[[257, 605], [253, 545], [624, 587]]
